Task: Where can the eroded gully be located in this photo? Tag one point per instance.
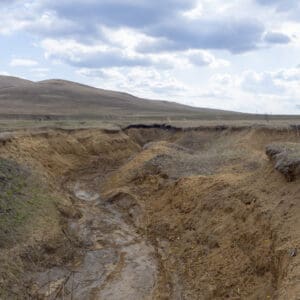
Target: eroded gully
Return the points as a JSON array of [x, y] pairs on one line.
[[117, 262]]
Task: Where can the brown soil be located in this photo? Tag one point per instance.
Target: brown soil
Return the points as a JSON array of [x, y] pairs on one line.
[[154, 213]]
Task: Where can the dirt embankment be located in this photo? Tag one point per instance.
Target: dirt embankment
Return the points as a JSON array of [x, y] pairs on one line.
[[202, 212], [287, 158], [35, 207]]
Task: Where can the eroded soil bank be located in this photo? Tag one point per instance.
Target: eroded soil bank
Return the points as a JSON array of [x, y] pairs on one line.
[[153, 213]]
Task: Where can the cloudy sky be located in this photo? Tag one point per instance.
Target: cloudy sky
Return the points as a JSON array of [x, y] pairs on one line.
[[237, 54]]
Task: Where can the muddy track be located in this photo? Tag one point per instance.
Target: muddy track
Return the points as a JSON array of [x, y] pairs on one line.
[[116, 261]]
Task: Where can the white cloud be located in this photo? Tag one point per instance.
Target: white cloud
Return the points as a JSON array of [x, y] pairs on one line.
[[292, 74], [279, 83], [195, 12], [7, 25], [23, 62], [144, 82], [205, 58], [261, 83], [103, 55], [40, 72], [223, 79], [125, 37]]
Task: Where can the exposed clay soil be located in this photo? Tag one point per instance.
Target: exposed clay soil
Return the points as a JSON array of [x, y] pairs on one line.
[[162, 213]]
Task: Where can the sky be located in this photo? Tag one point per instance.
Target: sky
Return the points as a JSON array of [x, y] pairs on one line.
[[241, 55]]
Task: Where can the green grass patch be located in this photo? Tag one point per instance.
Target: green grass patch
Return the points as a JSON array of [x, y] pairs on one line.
[[23, 199]]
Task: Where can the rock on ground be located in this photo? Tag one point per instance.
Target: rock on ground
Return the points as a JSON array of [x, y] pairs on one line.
[[286, 157]]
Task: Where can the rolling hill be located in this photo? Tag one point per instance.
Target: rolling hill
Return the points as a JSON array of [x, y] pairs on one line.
[[65, 99]]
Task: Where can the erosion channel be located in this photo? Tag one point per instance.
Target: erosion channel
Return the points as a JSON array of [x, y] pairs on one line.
[[148, 213]]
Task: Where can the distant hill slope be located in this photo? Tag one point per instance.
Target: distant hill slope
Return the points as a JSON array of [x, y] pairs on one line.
[[70, 99], [9, 81]]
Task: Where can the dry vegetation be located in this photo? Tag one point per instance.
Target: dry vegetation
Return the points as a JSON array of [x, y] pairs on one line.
[[223, 222]]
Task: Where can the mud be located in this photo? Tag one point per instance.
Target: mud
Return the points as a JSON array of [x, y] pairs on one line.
[[116, 263]]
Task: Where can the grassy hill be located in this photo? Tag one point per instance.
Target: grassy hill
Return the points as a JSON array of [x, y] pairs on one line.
[[60, 98], [24, 101]]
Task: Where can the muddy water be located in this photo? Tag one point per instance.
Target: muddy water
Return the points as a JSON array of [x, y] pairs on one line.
[[117, 262]]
